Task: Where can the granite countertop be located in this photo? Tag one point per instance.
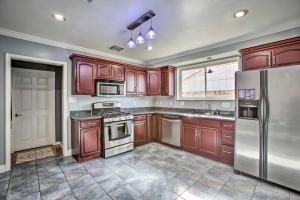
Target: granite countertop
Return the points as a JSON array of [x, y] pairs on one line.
[[83, 115], [224, 115]]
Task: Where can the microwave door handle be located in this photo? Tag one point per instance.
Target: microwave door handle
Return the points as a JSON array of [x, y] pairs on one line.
[[118, 90]]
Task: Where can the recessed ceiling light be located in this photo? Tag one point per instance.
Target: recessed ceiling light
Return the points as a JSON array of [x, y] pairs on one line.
[[240, 13], [59, 17]]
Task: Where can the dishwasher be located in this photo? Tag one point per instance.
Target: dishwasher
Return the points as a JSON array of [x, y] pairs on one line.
[[171, 129]]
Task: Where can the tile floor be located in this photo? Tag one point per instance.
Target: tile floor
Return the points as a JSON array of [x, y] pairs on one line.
[[151, 171]]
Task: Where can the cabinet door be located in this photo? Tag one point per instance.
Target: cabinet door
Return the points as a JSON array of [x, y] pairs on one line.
[[89, 141], [189, 139], [150, 132], [154, 82], [157, 127], [141, 83], [117, 72], [288, 55], [85, 78], [257, 60], [140, 132], [209, 141], [164, 82], [130, 77], [104, 71]]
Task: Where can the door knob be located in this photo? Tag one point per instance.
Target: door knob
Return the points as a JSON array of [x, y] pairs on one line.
[[18, 115]]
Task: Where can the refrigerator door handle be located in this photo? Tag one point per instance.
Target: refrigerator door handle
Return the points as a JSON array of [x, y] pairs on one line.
[[261, 124]]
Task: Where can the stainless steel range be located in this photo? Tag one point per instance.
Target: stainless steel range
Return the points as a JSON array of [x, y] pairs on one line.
[[117, 128]]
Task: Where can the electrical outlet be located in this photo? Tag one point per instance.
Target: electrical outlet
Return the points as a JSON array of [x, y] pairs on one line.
[[171, 103], [225, 104], [146, 103], [160, 102], [134, 103], [182, 103]]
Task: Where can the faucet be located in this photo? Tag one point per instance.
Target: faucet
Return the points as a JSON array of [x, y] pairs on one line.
[[207, 104]]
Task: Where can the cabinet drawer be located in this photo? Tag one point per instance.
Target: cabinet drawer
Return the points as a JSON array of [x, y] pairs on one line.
[[228, 137], [191, 121], [210, 123], [227, 153], [89, 123], [228, 125], [139, 117]]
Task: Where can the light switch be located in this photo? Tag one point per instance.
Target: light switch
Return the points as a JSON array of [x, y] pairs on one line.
[[225, 104]]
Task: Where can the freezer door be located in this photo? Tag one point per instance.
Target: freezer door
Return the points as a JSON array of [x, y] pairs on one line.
[[283, 161], [247, 134]]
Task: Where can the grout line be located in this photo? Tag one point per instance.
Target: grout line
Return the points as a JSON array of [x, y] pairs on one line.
[[37, 173], [254, 190], [66, 178]]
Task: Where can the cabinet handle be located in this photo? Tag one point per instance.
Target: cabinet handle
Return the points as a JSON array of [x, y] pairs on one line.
[[227, 152], [226, 125], [227, 136]]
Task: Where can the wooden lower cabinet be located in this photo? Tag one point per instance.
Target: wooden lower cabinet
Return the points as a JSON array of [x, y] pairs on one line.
[[208, 142], [86, 139], [189, 137], [140, 132], [209, 138]]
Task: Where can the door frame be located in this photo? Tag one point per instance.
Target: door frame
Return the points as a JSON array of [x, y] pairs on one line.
[[8, 58]]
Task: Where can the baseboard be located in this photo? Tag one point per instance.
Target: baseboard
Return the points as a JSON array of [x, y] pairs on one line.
[[3, 168]]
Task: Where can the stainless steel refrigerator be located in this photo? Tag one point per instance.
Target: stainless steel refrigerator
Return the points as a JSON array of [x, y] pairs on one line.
[[267, 138]]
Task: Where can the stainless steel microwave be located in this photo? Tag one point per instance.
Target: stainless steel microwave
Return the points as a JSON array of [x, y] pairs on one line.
[[110, 88]]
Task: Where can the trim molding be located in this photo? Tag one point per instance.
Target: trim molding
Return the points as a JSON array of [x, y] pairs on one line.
[[32, 38]]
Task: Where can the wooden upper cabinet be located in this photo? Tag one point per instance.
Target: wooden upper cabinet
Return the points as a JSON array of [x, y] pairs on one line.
[[141, 87], [189, 137], [287, 55], [209, 139], [130, 78], [117, 72], [84, 74], [112, 72], [167, 81], [257, 60], [276, 54], [153, 82], [103, 71]]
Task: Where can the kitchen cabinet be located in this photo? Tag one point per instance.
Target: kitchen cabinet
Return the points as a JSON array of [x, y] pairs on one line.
[[167, 81], [130, 78], [208, 142], [150, 130], [157, 127], [83, 77], [189, 137], [257, 60], [154, 82], [110, 72], [86, 139], [140, 129], [287, 55], [210, 138], [135, 82], [276, 54], [141, 83]]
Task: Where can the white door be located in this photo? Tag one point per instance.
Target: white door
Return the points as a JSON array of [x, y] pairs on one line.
[[33, 108]]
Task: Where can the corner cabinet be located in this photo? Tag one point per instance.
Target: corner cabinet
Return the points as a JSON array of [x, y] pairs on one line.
[[276, 54], [154, 82], [83, 76], [86, 139]]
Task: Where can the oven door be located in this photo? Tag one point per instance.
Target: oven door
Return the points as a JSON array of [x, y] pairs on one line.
[[118, 133], [110, 89]]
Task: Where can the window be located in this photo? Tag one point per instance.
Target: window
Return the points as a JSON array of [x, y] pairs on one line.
[[214, 80]]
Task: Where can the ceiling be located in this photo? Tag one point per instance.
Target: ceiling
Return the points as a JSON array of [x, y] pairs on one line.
[[181, 25]]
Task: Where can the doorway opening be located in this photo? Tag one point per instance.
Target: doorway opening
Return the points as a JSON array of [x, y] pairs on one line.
[[36, 107], [36, 80]]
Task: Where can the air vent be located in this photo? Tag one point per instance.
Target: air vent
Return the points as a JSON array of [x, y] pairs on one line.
[[116, 48]]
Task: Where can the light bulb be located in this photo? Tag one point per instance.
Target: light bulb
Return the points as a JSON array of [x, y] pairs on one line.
[[131, 44], [151, 33], [140, 39]]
